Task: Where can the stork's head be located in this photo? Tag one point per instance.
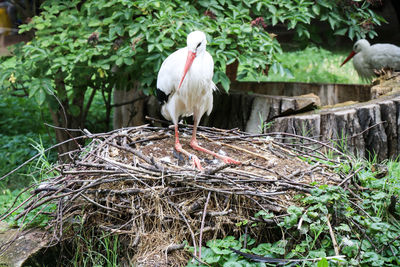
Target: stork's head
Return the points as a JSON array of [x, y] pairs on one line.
[[196, 45], [359, 46], [196, 42]]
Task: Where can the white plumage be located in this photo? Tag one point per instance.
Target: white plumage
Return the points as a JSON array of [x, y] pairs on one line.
[[196, 90], [369, 58], [185, 88]]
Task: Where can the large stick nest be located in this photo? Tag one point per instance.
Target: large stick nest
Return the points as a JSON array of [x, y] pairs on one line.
[[130, 182]]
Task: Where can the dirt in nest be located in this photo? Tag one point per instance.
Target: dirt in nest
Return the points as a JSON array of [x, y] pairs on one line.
[[258, 155]]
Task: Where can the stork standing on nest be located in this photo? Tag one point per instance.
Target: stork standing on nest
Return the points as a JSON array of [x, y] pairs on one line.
[[369, 59], [185, 88]]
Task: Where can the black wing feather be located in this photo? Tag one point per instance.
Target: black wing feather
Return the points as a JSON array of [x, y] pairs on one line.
[[161, 96]]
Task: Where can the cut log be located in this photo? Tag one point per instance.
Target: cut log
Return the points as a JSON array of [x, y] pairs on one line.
[[20, 247], [329, 94], [366, 129], [251, 111]]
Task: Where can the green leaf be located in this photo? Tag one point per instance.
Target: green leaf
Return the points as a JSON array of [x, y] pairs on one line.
[[232, 264], [351, 33], [225, 82], [168, 43], [128, 61], [343, 227], [379, 196], [150, 48], [323, 263], [295, 210], [209, 256], [341, 31], [40, 97], [119, 61], [40, 26], [316, 9]]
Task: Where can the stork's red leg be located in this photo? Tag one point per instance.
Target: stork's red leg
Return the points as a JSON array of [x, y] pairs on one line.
[[178, 147], [194, 144]]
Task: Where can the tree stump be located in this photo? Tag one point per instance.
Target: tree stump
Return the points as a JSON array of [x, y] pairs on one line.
[[366, 129], [359, 119]]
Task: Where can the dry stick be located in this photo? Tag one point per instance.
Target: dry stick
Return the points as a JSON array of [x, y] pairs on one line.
[[362, 210], [335, 245], [304, 154], [119, 166], [362, 132], [300, 170], [312, 151], [217, 169], [350, 176], [187, 224], [202, 222], [37, 155], [99, 205], [139, 154], [388, 244], [16, 208], [364, 232], [174, 247], [213, 129], [242, 192], [301, 220], [8, 212], [312, 140], [237, 148], [150, 138]]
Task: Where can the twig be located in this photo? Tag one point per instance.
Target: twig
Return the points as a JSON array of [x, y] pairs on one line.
[[174, 247], [187, 224], [335, 245], [218, 168], [237, 148], [350, 176], [202, 222]]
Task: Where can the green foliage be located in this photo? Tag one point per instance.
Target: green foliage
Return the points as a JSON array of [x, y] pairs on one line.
[[102, 42], [218, 253], [39, 170], [353, 18], [364, 228], [19, 128]]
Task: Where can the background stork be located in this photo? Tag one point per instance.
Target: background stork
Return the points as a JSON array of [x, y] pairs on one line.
[[370, 58], [185, 88]]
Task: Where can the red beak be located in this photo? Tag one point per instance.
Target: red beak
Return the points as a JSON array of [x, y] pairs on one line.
[[348, 58], [189, 61]]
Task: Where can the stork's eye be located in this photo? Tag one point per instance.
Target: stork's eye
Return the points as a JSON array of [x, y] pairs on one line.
[[198, 45]]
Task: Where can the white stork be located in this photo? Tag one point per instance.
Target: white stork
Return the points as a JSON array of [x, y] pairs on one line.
[[370, 58], [185, 88]]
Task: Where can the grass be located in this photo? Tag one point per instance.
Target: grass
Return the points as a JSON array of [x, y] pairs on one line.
[[21, 126], [312, 65]]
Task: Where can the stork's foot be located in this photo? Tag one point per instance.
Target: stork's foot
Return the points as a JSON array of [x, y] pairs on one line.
[[195, 162], [229, 160], [225, 159]]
